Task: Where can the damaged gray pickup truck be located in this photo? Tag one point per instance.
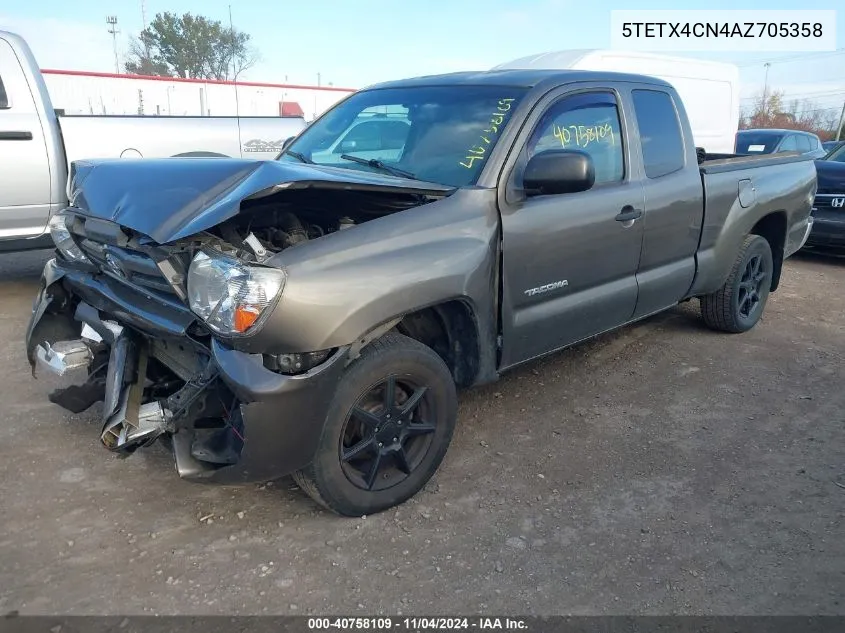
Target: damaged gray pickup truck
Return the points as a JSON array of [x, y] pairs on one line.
[[313, 315]]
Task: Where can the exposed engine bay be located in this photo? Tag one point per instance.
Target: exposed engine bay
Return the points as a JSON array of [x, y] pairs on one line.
[[270, 225]]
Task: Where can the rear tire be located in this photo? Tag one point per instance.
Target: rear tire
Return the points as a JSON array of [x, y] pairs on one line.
[[388, 428], [738, 305]]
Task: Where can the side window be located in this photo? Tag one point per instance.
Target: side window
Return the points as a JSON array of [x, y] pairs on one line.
[[4, 99], [790, 144], [660, 132], [371, 136], [394, 134], [805, 144], [588, 122]]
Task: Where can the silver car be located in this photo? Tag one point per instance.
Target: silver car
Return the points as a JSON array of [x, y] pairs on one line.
[[773, 141]]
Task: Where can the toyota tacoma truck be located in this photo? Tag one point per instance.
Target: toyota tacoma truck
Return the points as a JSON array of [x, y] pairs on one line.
[[264, 318]]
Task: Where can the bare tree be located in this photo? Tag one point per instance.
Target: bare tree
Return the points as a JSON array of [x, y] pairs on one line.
[[771, 111]]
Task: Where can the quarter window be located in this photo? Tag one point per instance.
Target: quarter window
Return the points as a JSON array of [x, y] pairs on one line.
[[4, 99], [660, 132], [588, 122], [804, 144], [790, 144]]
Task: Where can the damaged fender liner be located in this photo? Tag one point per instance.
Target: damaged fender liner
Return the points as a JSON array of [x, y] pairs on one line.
[[283, 416]]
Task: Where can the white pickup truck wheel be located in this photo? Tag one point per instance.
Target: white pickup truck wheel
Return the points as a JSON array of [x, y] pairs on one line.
[[388, 429], [738, 305]]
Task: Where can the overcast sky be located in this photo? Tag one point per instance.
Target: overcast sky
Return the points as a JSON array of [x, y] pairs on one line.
[[353, 44]]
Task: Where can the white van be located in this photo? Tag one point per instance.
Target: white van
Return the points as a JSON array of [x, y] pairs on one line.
[[709, 90]]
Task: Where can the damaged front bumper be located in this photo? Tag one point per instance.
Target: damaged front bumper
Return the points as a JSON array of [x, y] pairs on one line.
[[229, 419]]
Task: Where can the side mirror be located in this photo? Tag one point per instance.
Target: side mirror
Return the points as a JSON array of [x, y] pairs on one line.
[[558, 171]]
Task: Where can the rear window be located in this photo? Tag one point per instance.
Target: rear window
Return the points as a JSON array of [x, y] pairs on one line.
[[374, 135], [660, 132], [4, 100], [757, 142]]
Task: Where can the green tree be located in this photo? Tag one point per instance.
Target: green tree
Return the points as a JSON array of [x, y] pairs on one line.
[[190, 46]]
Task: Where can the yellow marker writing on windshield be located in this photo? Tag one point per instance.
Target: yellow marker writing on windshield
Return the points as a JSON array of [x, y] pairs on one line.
[[496, 119]]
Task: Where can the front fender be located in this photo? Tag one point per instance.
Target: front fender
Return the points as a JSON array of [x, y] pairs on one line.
[[345, 284], [51, 319]]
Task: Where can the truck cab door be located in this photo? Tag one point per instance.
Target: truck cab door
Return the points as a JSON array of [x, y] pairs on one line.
[[674, 200], [25, 184], [569, 261]]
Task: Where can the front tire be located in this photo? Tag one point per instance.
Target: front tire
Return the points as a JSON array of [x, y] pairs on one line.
[[388, 428], [738, 305]]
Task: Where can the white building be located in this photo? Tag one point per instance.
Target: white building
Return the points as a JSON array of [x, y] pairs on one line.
[[78, 92]]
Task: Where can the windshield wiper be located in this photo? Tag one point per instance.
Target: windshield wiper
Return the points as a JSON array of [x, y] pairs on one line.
[[299, 156], [377, 164]]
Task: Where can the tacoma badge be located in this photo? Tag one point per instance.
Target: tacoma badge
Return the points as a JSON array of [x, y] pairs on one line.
[[552, 286]]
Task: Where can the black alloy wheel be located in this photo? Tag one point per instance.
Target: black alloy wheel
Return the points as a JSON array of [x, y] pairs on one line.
[[387, 433], [388, 428], [751, 286], [738, 305]]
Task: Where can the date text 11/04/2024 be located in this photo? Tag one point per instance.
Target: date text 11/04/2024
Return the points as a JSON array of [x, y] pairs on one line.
[[417, 623]]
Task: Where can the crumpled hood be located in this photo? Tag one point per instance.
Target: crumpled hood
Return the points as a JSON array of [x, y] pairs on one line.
[[172, 198], [831, 176]]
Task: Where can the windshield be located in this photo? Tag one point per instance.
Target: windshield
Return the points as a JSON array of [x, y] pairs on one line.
[[433, 133], [757, 142], [837, 155]]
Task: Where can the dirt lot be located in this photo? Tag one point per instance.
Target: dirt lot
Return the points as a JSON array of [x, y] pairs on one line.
[[660, 469]]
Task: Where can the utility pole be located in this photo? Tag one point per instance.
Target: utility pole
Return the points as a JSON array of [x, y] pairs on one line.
[[111, 20], [841, 121], [318, 80], [234, 71], [766, 87]]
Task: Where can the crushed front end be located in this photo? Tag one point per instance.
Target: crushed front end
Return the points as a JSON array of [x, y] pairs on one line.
[[114, 309]]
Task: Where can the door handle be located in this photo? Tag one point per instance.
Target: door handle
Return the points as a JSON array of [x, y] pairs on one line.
[[15, 136], [629, 213]]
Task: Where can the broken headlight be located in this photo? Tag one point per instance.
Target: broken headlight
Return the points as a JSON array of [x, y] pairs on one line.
[[63, 239], [231, 296]]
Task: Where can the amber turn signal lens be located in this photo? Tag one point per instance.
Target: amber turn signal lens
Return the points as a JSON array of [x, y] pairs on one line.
[[245, 316]]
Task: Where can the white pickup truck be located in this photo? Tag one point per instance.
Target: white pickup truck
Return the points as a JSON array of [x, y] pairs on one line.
[[38, 144]]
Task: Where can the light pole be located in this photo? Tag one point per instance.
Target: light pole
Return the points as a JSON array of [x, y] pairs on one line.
[[841, 121], [111, 20]]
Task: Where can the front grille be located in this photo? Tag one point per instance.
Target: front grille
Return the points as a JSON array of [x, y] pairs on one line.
[[830, 202], [125, 264]]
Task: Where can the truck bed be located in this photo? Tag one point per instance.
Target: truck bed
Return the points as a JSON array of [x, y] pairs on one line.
[[719, 163], [737, 192]]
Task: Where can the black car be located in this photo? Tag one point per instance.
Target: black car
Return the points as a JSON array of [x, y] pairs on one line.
[[832, 146], [829, 205]]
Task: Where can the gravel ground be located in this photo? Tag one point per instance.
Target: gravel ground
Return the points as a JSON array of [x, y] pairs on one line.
[[660, 469]]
